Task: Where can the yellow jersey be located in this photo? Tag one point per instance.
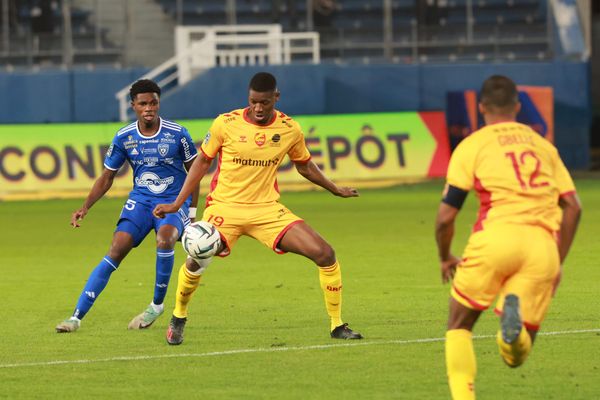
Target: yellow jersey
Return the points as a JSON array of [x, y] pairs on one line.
[[249, 156], [517, 175]]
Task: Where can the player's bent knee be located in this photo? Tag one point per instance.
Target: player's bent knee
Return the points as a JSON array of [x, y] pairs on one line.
[[165, 244], [325, 256], [197, 265]]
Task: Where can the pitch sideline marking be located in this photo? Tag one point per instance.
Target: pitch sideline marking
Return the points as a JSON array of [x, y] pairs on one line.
[[270, 350]]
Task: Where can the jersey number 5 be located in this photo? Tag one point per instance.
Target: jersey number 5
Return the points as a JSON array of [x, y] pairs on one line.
[[519, 161]]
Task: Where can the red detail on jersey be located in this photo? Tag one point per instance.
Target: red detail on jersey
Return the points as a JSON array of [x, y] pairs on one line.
[[235, 113], [215, 180], [528, 326], [436, 123], [280, 236], [227, 115], [485, 203], [206, 155], [276, 186], [472, 302], [250, 121], [302, 161], [567, 194]]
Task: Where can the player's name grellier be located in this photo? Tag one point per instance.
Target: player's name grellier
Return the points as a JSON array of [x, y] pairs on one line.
[[255, 163]]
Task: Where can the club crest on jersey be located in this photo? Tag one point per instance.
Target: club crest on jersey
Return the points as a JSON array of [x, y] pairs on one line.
[[260, 138], [163, 149], [243, 139]]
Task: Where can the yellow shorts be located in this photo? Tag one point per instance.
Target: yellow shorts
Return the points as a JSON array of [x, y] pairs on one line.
[[266, 223], [501, 260]]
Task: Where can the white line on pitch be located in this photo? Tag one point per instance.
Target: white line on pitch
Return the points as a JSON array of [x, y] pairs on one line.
[[270, 350]]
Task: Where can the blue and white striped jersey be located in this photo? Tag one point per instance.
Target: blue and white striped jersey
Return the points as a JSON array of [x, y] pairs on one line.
[[157, 161]]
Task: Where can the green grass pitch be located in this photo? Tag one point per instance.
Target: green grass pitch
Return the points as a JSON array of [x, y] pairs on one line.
[[257, 327]]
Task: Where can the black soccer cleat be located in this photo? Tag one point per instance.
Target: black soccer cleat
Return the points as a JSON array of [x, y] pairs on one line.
[[175, 331], [510, 322], [343, 332]]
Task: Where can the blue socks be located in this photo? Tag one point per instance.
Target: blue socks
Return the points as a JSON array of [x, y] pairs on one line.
[[164, 267], [101, 274], [94, 286]]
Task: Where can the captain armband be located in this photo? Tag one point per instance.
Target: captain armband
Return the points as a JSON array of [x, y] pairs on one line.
[[454, 196]]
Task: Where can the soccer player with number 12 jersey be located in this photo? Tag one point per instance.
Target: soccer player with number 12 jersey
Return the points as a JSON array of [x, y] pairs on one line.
[[527, 220]]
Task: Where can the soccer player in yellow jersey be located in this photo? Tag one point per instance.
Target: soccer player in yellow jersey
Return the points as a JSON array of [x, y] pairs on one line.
[[528, 216], [250, 144]]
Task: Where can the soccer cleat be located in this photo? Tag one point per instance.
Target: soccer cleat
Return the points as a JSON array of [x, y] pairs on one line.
[[510, 322], [343, 332], [175, 331], [68, 325], [145, 319]]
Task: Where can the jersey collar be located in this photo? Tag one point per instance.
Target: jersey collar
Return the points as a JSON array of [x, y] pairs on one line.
[[137, 128]]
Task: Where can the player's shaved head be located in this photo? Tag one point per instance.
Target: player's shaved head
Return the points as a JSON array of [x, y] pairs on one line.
[[143, 86], [263, 82], [499, 93]]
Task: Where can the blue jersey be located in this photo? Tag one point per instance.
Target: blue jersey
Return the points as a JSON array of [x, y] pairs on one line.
[[157, 161]]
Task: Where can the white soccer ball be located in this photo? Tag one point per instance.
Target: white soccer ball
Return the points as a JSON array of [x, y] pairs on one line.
[[201, 240]]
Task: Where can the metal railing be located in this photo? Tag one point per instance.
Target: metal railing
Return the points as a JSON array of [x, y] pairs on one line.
[[201, 48]]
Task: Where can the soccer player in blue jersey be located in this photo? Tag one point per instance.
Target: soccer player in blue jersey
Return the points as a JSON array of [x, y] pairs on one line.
[[159, 152]]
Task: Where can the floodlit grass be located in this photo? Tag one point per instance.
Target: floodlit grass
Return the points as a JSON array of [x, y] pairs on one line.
[[257, 327]]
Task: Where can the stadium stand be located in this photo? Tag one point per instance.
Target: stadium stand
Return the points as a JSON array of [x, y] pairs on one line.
[[35, 37], [502, 30]]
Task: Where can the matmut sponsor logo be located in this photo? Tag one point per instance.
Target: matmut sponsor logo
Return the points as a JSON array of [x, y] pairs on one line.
[[255, 163]]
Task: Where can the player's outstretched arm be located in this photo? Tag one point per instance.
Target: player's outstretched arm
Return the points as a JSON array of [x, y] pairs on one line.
[[195, 174], [101, 186], [311, 171], [444, 232]]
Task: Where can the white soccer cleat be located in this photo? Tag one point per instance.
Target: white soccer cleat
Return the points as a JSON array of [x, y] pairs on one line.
[[68, 325], [145, 319]]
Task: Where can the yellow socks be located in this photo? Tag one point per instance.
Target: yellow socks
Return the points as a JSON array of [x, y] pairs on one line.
[[460, 364], [331, 283], [187, 282], [514, 354]]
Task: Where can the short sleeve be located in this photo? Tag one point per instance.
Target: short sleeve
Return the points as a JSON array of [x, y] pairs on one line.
[[299, 152], [461, 170], [564, 182], [187, 149], [115, 155], [214, 139]]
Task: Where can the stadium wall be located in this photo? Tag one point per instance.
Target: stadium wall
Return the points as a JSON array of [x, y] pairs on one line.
[[88, 96]]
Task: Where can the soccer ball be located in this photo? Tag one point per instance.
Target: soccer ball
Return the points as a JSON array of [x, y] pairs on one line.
[[201, 240]]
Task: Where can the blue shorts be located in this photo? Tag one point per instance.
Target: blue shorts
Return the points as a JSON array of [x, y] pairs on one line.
[[137, 220]]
